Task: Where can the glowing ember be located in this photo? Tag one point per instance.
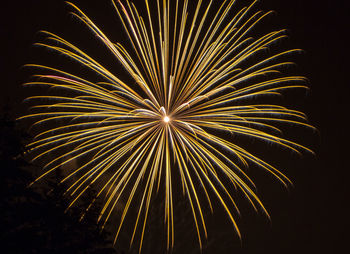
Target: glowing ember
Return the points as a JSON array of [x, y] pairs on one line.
[[166, 119]]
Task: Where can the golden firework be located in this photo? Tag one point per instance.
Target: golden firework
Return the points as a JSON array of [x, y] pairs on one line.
[[194, 79]]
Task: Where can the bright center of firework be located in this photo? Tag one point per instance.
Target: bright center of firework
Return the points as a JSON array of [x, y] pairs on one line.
[[166, 119]]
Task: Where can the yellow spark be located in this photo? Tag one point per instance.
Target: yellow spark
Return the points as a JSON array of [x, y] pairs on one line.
[[166, 119], [193, 78]]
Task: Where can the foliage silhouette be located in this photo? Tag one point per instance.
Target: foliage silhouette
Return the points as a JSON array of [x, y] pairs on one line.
[[32, 219]]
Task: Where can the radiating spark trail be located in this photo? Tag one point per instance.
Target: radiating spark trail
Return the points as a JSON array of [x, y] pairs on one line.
[[196, 78]]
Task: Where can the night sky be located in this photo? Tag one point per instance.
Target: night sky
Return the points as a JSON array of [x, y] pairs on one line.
[[309, 218]]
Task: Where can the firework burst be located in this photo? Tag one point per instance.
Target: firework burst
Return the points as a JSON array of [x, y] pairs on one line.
[[195, 81]]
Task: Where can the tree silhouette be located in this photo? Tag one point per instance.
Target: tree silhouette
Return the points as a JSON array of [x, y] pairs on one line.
[[34, 220]]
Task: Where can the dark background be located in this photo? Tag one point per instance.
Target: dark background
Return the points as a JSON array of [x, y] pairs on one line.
[[312, 216]]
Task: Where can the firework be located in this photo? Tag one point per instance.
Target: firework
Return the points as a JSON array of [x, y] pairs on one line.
[[196, 84]]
